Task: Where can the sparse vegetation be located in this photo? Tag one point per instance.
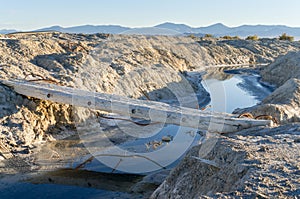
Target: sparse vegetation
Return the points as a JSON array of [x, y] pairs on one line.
[[230, 37], [286, 37], [208, 35], [252, 37], [192, 36]]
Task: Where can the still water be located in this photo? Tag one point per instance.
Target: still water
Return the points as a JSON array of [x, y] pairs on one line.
[[240, 89]]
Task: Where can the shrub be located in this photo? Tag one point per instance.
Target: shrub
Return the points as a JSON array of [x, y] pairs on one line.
[[208, 35], [284, 36], [192, 36], [252, 37], [230, 37], [227, 37]]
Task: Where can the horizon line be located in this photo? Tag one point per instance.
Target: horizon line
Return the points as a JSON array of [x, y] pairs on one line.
[[125, 26]]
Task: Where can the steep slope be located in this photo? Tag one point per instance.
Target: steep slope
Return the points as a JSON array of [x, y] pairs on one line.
[[124, 65], [253, 163], [247, 52], [284, 68]]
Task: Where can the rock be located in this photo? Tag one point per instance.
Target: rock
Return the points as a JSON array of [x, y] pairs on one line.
[[284, 68], [166, 138], [288, 93]]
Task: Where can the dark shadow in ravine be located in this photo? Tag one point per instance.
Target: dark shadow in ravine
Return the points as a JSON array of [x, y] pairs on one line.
[[99, 180]]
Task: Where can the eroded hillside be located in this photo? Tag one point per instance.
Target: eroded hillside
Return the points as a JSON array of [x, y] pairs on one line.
[[145, 67], [127, 65]]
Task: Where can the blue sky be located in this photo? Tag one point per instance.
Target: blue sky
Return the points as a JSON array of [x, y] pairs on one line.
[[33, 14]]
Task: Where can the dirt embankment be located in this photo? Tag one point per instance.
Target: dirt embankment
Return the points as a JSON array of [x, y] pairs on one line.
[[133, 66], [246, 51], [283, 103], [253, 163], [284, 68], [125, 65]]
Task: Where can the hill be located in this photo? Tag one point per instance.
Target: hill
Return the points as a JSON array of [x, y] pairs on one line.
[[217, 30]]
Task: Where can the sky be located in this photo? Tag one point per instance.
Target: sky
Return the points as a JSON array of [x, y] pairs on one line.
[[34, 14]]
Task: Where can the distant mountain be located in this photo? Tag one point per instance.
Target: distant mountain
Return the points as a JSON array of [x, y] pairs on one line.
[[52, 28], [265, 30], [217, 30], [6, 31], [88, 29], [151, 31], [181, 28], [220, 29]]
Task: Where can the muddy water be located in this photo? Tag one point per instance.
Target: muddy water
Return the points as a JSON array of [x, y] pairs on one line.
[[68, 170]]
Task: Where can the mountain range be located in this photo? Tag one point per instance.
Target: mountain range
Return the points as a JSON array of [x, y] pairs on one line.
[[217, 30]]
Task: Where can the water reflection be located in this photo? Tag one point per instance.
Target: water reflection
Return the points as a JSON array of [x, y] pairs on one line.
[[138, 155], [236, 89]]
